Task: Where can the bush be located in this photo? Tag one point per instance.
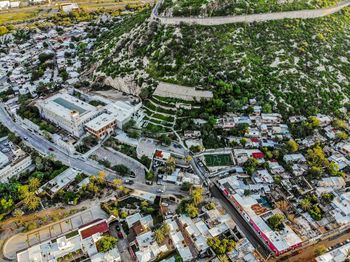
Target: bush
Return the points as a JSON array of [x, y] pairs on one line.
[[106, 243]]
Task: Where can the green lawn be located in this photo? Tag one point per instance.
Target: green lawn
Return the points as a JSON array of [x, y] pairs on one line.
[[218, 160]]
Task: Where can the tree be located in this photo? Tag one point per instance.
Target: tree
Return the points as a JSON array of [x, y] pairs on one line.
[[341, 135], [161, 232], [170, 165], [18, 213], [243, 141], [3, 30], [117, 182], [149, 175], [192, 210], [305, 204], [159, 236], [197, 195], [221, 247], [337, 123], [34, 184], [186, 186], [314, 121], [121, 169], [5, 204], [321, 249], [317, 157], [276, 221], [250, 165], [31, 200], [165, 140], [292, 146], [101, 177], [106, 243]]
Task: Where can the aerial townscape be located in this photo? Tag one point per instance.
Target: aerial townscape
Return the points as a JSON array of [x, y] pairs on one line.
[[175, 130]]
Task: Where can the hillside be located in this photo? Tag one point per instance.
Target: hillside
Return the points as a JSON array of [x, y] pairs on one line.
[[236, 7], [295, 66]]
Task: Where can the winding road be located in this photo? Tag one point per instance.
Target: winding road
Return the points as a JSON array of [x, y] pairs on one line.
[[220, 20], [88, 166]]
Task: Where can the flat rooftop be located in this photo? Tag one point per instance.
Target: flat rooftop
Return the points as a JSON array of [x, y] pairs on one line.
[[63, 105], [100, 122], [68, 105]]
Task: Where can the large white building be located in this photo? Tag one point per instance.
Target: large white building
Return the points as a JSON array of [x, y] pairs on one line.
[[14, 168], [68, 112], [122, 111]]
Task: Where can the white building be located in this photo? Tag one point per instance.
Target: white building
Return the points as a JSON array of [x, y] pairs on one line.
[[68, 112], [59, 182], [69, 7], [15, 168], [3, 159], [339, 254], [122, 111], [4, 5], [81, 243]]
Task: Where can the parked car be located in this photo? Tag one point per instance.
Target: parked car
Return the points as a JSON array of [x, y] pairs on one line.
[[128, 182], [51, 149], [120, 235]]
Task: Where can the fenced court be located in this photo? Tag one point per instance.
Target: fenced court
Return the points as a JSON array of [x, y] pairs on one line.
[[218, 160]]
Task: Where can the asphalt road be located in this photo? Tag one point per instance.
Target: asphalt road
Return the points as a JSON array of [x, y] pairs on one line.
[[89, 167], [242, 224]]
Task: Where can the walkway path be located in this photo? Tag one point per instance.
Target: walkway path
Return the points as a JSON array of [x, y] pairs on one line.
[[220, 20]]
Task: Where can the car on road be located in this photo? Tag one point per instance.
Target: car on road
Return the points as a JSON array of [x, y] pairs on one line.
[[128, 182], [159, 190], [51, 149], [149, 182], [120, 235], [25, 138]]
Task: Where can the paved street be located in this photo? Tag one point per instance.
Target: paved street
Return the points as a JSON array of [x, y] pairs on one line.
[[87, 166], [242, 224]]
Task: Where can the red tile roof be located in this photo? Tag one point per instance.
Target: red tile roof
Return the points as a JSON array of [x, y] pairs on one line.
[[159, 154], [258, 155], [88, 231]]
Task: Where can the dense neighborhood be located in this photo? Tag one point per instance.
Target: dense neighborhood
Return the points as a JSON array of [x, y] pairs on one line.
[[131, 168]]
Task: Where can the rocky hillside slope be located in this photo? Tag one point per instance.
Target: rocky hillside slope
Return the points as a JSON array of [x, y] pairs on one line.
[[295, 66]]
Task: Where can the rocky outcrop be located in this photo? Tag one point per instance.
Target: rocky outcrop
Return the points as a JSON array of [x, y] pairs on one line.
[[125, 84]]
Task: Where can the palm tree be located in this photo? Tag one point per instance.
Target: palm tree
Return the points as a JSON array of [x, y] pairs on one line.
[[305, 204], [18, 213]]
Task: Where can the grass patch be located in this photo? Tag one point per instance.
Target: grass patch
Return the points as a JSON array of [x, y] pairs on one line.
[[218, 160]]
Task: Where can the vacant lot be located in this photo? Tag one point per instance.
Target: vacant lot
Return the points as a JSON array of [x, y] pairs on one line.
[[218, 160]]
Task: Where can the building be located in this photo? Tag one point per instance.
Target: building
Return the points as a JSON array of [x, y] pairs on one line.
[[278, 242], [3, 160], [339, 254], [178, 241], [341, 205], [69, 7], [68, 112], [15, 168], [79, 244], [101, 125], [122, 111], [59, 182]]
